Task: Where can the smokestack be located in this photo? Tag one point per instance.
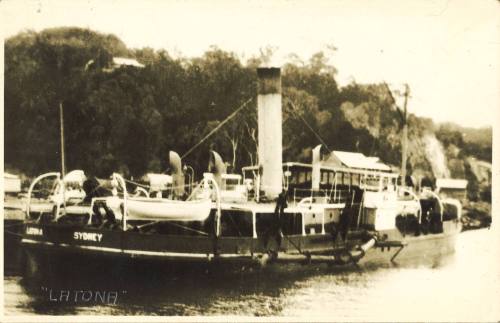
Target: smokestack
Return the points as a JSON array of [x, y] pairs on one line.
[[177, 174], [216, 166], [270, 132]]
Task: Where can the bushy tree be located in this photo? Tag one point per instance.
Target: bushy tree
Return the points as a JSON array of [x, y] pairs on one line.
[[127, 119]]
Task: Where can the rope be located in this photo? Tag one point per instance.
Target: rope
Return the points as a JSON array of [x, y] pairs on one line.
[[148, 186], [187, 228], [307, 124], [101, 183], [293, 244], [185, 185], [13, 233], [235, 226], [135, 183], [13, 225], [218, 127], [173, 224], [360, 208]]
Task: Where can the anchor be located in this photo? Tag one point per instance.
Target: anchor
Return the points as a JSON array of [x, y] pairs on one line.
[[388, 244]]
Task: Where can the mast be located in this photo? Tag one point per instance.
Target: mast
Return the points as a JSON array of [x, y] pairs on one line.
[[61, 123], [63, 166], [404, 154]]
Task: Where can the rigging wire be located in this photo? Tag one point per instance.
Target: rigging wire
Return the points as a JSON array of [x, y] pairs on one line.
[[218, 127], [293, 109], [395, 106], [136, 183]]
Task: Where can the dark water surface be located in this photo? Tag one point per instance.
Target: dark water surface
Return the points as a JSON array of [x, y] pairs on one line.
[[463, 286]]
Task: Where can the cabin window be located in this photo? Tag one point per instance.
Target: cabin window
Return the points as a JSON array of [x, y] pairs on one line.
[[302, 177], [231, 184], [371, 182], [324, 178], [346, 179], [355, 179], [384, 182], [331, 177]]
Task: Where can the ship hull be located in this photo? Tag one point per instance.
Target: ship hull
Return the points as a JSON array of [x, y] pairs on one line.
[[423, 248], [13, 233], [43, 245]]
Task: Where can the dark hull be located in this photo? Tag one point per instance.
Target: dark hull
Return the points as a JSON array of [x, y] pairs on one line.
[[46, 244], [13, 232]]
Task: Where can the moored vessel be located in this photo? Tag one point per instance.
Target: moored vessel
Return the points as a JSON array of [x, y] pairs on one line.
[[323, 212]]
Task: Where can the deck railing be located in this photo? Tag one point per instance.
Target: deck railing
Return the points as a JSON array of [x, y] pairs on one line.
[[320, 196], [57, 175], [208, 185]]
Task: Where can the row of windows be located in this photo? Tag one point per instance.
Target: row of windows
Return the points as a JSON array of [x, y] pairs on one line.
[[298, 177]]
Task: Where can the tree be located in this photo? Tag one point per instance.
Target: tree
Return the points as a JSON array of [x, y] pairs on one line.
[[127, 119], [44, 70]]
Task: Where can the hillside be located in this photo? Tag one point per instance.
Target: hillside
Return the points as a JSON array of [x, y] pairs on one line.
[[127, 119]]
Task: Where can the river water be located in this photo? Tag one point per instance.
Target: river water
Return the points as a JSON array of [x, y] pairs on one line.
[[464, 286]]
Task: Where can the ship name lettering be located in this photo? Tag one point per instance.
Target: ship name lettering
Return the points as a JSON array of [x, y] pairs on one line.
[[87, 236], [34, 231]]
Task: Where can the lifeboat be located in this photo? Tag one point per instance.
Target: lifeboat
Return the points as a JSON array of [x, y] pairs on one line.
[[167, 210]]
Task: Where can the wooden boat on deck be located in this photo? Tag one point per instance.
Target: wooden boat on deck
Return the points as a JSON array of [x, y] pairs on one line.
[[150, 209]]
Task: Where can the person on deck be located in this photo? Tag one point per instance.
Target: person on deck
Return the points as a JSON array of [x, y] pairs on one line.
[[279, 213], [275, 228], [93, 189], [345, 218]]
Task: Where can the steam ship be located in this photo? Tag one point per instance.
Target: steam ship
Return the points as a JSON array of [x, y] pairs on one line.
[[328, 211]]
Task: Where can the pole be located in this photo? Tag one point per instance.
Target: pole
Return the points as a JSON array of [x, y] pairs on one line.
[[63, 167], [405, 137], [191, 177]]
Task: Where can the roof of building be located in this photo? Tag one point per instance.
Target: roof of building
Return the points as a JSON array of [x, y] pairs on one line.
[[451, 183], [358, 160], [123, 61]]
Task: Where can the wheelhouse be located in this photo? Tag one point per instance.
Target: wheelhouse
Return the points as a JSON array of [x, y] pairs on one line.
[[300, 176]]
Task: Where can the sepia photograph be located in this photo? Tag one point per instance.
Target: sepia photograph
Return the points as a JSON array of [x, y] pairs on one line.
[[250, 160]]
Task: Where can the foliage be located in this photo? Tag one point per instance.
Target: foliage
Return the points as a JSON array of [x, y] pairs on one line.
[[127, 119], [471, 141]]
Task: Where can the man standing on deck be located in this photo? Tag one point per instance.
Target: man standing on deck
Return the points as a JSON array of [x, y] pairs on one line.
[[275, 228], [345, 219], [279, 211]]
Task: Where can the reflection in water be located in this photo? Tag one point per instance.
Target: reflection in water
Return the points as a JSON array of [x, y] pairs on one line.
[[462, 286]]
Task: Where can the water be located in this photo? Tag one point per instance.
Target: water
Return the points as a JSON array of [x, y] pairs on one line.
[[463, 286]]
